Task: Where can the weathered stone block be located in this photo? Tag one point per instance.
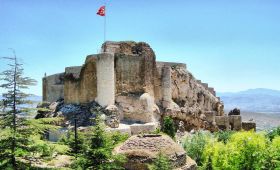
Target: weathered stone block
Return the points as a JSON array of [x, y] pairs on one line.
[[143, 128], [236, 122], [249, 125], [222, 122], [123, 129]]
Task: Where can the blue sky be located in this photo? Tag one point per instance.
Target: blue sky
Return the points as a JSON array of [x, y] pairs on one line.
[[231, 44]]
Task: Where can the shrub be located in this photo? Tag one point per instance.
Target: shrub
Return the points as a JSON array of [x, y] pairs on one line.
[[117, 137], [195, 145], [168, 126], [273, 133], [273, 155], [161, 163], [244, 150], [43, 149], [249, 150], [214, 155], [223, 136]]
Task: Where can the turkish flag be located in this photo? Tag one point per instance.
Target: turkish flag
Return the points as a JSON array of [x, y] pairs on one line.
[[101, 11]]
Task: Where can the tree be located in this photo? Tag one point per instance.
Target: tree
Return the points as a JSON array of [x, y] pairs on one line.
[[98, 155], [76, 144], [168, 126], [14, 127]]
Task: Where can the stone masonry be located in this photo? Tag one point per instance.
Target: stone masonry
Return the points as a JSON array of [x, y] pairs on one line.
[[127, 76]]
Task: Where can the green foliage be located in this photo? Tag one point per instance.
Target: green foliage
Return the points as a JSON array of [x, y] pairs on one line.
[[161, 163], [223, 136], [168, 126], [273, 155], [80, 163], [79, 147], [273, 133], [98, 155], [195, 145], [117, 137], [45, 149], [244, 150], [15, 141], [157, 131]]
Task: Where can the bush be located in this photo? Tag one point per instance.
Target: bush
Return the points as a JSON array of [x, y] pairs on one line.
[[195, 145], [168, 126], [161, 163], [117, 137], [273, 155], [223, 136], [244, 150], [273, 133], [44, 149]]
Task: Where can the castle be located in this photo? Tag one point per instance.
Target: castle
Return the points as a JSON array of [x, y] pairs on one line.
[[126, 77]]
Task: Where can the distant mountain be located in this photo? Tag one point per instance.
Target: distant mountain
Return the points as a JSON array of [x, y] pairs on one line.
[[34, 98], [253, 100]]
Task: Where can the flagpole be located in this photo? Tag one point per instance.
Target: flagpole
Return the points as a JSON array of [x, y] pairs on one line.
[[105, 21]]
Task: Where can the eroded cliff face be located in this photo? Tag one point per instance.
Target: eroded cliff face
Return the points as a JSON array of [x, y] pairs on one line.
[[194, 103], [127, 76]]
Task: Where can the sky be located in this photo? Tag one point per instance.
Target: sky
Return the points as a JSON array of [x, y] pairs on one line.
[[232, 45]]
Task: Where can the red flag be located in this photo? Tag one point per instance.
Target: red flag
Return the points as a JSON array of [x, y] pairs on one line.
[[101, 11]]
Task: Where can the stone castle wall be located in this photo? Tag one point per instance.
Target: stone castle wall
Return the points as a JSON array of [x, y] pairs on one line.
[[81, 82], [53, 87], [128, 76]]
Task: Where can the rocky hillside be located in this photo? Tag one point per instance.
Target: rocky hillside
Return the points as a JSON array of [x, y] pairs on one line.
[[253, 100]]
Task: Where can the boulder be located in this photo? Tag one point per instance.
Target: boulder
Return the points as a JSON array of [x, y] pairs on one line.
[[112, 118], [53, 106], [143, 149]]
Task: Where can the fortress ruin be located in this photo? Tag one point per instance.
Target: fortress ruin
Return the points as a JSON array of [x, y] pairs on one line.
[[126, 78]]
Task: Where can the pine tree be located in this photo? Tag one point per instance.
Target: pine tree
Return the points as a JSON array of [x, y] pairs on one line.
[[14, 127], [99, 153], [76, 144]]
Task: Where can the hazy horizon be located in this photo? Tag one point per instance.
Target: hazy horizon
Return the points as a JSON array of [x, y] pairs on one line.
[[233, 46]]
